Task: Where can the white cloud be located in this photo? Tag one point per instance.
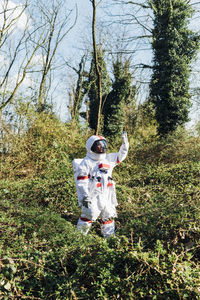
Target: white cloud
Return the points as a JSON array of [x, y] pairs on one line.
[[2, 60], [27, 82], [13, 12], [37, 60]]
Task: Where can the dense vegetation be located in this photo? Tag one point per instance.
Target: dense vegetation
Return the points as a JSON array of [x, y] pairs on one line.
[[155, 254]]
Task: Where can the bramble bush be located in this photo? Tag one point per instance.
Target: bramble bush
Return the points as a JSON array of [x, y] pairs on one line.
[[155, 253]]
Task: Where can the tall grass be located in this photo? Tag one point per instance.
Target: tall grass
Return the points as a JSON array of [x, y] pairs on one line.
[[155, 254]]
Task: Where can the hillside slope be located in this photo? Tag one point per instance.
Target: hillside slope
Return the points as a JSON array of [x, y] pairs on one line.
[[155, 254]]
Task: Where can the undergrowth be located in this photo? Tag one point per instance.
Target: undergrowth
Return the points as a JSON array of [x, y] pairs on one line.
[[155, 253]]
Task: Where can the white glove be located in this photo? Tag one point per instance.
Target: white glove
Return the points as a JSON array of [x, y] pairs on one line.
[[86, 202], [124, 138]]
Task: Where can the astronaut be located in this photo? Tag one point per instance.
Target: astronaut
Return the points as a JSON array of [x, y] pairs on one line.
[[95, 185]]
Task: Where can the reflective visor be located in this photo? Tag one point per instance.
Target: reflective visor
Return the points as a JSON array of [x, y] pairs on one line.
[[99, 146]]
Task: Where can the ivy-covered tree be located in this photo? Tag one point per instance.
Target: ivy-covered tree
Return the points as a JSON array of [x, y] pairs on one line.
[[174, 46], [92, 88], [122, 94], [78, 92]]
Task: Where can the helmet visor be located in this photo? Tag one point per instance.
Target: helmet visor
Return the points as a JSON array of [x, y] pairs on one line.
[[99, 146]]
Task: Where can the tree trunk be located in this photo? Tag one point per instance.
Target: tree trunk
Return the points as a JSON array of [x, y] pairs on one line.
[[98, 72]]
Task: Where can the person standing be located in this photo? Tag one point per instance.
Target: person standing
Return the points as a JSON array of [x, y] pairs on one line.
[[95, 185]]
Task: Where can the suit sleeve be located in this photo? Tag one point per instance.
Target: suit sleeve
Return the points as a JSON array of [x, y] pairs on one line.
[[83, 177], [119, 156]]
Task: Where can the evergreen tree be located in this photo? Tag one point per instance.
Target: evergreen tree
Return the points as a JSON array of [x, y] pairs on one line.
[[114, 108], [78, 92], [92, 88], [174, 47]]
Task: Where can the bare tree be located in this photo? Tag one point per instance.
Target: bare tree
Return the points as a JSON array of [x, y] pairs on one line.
[[7, 22], [77, 90], [57, 27], [41, 35], [10, 51]]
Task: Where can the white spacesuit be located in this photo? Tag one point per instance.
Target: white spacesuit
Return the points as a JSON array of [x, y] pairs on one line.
[[95, 186]]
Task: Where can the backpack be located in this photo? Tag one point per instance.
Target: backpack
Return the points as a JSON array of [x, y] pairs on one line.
[[76, 162]]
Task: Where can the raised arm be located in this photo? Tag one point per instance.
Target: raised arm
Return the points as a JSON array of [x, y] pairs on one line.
[[119, 156], [123, 151]]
